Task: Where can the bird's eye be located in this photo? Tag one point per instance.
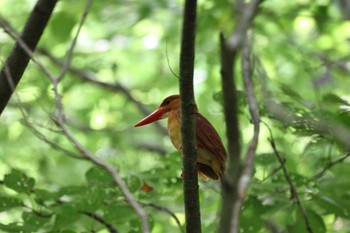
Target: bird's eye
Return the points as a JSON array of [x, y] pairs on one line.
[[167, 101]]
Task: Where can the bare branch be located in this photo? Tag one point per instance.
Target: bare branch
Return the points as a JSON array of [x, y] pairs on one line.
[[247, 171], [151, 148], [229, 218], [234, 42], [60, 120], [293, 190], [69, 53], [329, 166], [90, 77], [42, 137]]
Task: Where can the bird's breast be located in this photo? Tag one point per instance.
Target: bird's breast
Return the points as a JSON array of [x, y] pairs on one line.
[[174, 129]]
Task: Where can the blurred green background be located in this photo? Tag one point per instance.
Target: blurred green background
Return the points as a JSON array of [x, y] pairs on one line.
[[133, 45]]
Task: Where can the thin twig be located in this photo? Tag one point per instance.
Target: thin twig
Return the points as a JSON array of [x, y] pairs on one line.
[[274, 171], [166, 210], [69, 53], [293, 190], [13, 34], [247, 171], [329, 166], [42, 137], [99, 219], [168, 62]]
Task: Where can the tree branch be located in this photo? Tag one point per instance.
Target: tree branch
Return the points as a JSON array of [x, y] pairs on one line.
[[99, 219], [100, 163], [192, 209], [60, 120], [329, 166], [69, 53], [248, 166], [18, 59], [42, 137], [92, 78], [166, 210], [230, 210]]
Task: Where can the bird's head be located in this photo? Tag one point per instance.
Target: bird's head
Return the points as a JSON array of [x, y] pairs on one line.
[[170, 103]]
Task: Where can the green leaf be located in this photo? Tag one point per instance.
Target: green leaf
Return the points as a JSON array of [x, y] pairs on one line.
[[334, 99], [66, 215], [45, 195], [315, 221], [266, 159], [12, 227], [252, 212], [7, 203], [91, 199], [118, 213], [19, 182], [33, 222], [99, 177], [62, 25], [332, 205]]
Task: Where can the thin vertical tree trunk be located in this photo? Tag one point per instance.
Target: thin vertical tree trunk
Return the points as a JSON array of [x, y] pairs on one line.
[[192, 209]]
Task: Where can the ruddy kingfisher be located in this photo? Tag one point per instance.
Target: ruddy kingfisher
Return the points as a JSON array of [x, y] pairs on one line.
[[211, 154]]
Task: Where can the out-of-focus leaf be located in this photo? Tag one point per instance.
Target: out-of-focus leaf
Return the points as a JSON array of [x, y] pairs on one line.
[[99, 178], [252, 212], [334, 99], [62, 25], [118, 213], [19, 181], [66, 215], [12, 227], [7, 203], [331, 205], [266, 159], [315, 220], [33, 222]]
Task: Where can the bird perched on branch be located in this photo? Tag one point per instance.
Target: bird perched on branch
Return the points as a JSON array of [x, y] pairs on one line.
[[211, 154]]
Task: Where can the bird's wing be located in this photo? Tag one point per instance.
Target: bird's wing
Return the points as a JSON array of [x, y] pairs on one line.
[[209, 139]]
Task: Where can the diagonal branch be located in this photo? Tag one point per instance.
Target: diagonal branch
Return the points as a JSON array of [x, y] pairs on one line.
[[60, 120], [329, 166], [18, 59], [166, 210], [117, 87], [110, 228]]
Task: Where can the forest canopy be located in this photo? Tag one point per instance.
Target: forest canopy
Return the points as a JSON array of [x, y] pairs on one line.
[[101, 66]]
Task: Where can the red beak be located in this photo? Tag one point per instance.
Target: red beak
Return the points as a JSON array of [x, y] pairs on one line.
[[154, 116]]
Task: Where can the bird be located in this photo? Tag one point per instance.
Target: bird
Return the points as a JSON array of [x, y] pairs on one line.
[[211, 153]]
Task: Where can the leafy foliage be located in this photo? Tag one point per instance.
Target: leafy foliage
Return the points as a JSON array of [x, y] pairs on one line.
[[303, 47]]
